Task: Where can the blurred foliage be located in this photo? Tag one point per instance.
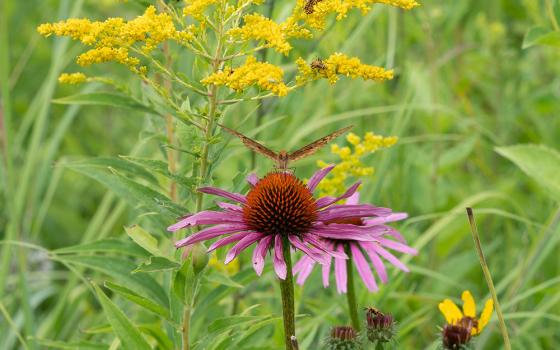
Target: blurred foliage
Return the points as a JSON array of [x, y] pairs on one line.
[[471, 77]]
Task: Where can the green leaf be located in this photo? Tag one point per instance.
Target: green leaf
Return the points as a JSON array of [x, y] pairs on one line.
[[130, 336], [183, 281], [157, 263], [457, 153], [541, 36], [161, 167], [81, 345], [120, 270], [539, 162], [223, 324], [105, 246], [106, 99], [144, 239], [130, 190], [138, 299], [222, 279], [119, 164]]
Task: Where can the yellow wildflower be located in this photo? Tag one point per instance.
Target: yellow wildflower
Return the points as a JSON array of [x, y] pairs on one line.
[[112, 39], [453, 314], [230, 269], [350, 164], [195, 8], [74, 78], [339, 64], [315, 14], [263, 74], [275, 35]]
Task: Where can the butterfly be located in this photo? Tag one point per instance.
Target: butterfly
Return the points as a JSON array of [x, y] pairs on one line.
[[282, 158]]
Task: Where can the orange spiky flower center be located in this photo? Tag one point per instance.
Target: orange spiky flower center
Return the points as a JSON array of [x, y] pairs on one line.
[[280, 204]]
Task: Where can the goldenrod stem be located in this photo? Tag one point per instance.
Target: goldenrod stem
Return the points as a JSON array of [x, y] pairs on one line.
[[488, 277], [287, 292], [351, 292]]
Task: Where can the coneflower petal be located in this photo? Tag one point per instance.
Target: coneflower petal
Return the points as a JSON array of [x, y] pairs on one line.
[[324, 246], [363, 268], [259, 253], [384, 219], [229, 206], [326, 201], [388, 256], [207, 217], [252, 179], [278, 260], [226, 240], [399, 247], [337, 212], [223, 193], [377, 262], [318, 176], [353, 199], [312, 252], [340, 273], [326, 272], [303, 269], [345, 234], [246, 241], [209, 233]]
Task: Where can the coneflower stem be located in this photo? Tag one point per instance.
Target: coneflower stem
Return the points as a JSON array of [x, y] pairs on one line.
[[351, 292], [287, 291], [488, 278]]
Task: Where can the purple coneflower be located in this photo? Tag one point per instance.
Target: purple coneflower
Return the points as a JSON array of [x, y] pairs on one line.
[[374, 248], [280, 212], [279, 209]]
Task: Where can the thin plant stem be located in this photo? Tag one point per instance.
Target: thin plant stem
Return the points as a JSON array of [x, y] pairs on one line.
[[351, 292], [287, 292], [488, 277]]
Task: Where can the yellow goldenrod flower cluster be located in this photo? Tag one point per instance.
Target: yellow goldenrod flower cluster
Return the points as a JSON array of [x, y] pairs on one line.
[[275, 35], [73, 78], [350, 164], [453, 315], [315, 14], [339, 64], [195, 8], [263, 74], [114, 38], [230, 269]]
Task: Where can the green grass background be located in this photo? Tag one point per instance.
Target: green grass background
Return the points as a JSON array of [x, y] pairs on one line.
[[463, 87]]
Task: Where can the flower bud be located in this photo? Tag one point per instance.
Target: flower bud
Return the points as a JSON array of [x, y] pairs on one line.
[[380, 327], [343, 338], [199, 257]]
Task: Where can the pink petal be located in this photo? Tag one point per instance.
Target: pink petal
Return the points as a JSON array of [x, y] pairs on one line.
[[278, 260], [326, 201], [384, 219], [376, 260], [326, 273], [399, 247], [389, 257], [312, 252], [346, 211], [346, 232], [340, 272], [249, 239], [327, 248], [318, 176], [209, 233], [363, 268], [229, 206], [223, 193], [252, 179], [354, 199], [304, 268], [226, 240], [259, 253], [207, 217]]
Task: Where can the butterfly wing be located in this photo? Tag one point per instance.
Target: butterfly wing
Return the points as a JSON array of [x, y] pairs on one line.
[[252, 144], [316, 145]]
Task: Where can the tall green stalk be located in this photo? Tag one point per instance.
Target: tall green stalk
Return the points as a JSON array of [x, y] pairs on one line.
[[488, 277], [351, 292], [287, 292]]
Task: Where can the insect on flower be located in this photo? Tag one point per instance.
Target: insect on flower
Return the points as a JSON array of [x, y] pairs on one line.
[[282, 158], [318, 64], [309, 7]]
